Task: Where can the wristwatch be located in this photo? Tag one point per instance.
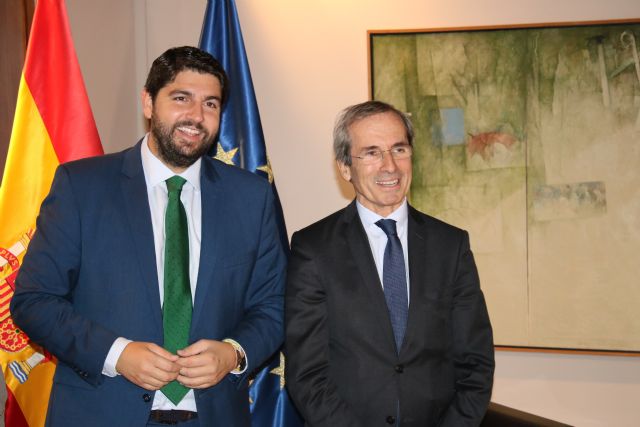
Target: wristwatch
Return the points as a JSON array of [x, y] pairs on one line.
[[241, 359]]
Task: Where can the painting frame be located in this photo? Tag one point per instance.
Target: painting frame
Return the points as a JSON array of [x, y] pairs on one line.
[[543, 200]]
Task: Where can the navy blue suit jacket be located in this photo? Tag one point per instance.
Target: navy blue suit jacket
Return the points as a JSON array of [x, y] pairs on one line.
[[90, 276]]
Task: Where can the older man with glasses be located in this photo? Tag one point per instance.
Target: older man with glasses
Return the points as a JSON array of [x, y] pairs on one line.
[[385, 320]]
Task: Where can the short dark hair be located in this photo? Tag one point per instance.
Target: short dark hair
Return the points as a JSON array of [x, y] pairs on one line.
[[354, 113], [175, 60]]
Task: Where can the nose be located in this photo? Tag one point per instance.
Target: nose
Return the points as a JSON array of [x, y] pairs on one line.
[[388, 162], [196, 112]]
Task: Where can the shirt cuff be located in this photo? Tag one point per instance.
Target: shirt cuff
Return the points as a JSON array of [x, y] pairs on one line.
[[236, 345], [109, 368]]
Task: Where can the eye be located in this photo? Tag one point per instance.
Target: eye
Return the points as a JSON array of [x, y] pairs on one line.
[[212, 104], [372, 153], [401, 149], [180, 98]]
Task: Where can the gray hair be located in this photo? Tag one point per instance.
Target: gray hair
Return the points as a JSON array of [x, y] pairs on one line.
[[354, 113]]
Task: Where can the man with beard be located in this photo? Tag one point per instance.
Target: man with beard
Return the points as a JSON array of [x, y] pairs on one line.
[[385, 320], [156, 274]]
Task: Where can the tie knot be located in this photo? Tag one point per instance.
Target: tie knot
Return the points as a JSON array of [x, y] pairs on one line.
[[175, 183], [388, 226]]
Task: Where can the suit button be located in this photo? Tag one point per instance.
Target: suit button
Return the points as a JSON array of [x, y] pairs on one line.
[[146, 397], [391, 420], [399, 368]]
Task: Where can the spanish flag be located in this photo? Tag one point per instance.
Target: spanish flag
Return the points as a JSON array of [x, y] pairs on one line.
[[53, 124]]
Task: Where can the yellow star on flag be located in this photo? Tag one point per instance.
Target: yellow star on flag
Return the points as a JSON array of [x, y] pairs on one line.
[[267, 169], [225, 156], [279, 371]]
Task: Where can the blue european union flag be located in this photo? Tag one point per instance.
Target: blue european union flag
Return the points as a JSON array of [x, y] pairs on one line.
[[241, 142]]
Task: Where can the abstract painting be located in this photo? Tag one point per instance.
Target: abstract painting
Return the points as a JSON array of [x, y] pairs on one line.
[[529, 137]]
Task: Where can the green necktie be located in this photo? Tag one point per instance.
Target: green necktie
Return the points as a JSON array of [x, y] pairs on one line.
[[177, 307]]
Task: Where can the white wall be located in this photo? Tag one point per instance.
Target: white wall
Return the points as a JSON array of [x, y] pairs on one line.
[[309, 60], [104, 34]]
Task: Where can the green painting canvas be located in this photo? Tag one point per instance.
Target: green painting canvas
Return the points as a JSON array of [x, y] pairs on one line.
[[529, 138]]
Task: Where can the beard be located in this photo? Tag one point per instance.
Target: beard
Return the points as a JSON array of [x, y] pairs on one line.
[[172, 153]]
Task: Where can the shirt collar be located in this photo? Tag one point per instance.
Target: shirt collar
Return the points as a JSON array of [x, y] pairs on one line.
[[157, 172], [369, 218]]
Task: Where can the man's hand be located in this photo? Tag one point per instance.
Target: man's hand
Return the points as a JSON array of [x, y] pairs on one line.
[[204, 363], [148, 365]]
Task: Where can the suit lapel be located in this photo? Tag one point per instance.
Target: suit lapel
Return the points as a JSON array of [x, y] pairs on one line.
[[360, 249], [134, 191], [417, 241], [210, 246]]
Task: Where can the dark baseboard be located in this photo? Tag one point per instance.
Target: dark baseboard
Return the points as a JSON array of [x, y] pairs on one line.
[[503, 416]]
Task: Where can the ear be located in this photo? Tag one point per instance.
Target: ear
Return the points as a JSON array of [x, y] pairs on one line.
[[147, 103], [345, 171]]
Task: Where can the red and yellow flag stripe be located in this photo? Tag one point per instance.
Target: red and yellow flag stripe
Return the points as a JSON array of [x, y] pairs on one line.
[[53, 124]]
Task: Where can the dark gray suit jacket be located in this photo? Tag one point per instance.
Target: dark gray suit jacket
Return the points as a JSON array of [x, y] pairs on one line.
[[342, 365]]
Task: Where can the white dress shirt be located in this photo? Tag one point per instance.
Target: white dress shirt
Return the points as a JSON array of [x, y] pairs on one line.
[[155, 175], [378, 238]]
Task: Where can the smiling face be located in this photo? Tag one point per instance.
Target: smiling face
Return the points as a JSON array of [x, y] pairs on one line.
[[184, 118], [382, 186]]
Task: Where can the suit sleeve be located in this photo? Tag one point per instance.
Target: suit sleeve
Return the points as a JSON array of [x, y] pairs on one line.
[[261, 331], [307, 343], [473, 352], [43, 301]]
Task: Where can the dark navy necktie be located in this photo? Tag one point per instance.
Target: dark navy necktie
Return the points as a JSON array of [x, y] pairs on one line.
[[394, 281]]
